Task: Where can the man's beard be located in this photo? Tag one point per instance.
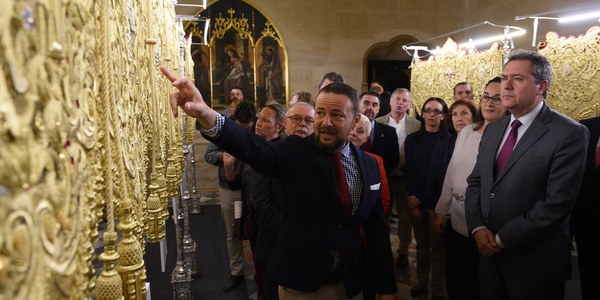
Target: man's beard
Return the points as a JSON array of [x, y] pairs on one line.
[[328, 148]]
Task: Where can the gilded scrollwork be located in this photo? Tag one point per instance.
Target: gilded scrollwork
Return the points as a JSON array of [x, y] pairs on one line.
[[241, 25], [437, 76], [75, 138], [575, 86]]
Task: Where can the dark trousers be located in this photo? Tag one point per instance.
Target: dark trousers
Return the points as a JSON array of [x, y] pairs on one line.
[[260, 270], [462, 266], [494, 284], [588, 253]]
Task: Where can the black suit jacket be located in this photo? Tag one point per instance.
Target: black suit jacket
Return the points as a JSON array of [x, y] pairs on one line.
[[385, 144], [268, 202], [586, 209], [313, 231]]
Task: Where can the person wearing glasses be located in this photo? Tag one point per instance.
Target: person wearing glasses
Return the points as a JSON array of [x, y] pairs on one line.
[[299, 120], [267, 201], [449, 219], [523, 187], [419, 150], [332, 191]]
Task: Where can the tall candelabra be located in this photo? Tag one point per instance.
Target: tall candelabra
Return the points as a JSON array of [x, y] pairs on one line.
[[181, 276], [195, 197]]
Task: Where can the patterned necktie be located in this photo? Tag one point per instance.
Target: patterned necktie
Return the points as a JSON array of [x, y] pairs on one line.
[[507, 148], [342, 186]]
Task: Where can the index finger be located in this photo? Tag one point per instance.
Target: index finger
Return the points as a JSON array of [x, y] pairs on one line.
[[168, 74]]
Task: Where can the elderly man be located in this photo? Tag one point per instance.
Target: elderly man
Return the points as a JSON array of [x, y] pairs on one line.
[[404, 125], [299, 120]]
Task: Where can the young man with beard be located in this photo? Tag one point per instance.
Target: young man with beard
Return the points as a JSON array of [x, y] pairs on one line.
[[328, 218], [383, 140]]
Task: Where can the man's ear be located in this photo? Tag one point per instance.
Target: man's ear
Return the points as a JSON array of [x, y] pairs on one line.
[[543, 87]]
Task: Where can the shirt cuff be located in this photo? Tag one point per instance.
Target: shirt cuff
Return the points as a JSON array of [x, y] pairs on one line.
[[216, 130], [498, 241], [476, 229]]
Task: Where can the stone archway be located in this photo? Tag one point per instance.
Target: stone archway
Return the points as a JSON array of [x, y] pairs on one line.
[[388, 63]]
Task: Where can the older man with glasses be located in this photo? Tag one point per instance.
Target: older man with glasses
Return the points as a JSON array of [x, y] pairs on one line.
[[299, 119]]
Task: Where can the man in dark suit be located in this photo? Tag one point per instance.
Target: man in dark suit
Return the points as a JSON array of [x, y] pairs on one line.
[[383, 140], [584, 216], [334, 235], [523, 187]]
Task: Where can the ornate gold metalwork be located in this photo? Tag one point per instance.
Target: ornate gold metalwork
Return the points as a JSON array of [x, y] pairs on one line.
[[575, 86], [221, 25], [75, 138], [437, 76], [110, 285], [131, 263]]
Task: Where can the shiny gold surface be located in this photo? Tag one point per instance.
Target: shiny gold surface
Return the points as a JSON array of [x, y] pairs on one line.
[[82, 112], [437, 76], [575, 85]]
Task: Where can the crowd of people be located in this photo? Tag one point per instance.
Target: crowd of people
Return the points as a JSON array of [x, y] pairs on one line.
[[486, 187]]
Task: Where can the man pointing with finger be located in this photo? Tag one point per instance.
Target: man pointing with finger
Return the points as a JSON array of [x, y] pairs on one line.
[[334, 237]]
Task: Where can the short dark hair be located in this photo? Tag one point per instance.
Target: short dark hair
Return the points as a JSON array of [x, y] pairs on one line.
[[237, 88], [369, 93], [245, 112], [459, 84], [343, 89], [540, 66], [333, 76]]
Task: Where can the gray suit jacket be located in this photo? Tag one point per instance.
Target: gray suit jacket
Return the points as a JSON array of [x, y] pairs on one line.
[[528, 204], [412, 125]]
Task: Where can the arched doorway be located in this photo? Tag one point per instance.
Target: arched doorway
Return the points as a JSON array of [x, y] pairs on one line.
[[388, 64]]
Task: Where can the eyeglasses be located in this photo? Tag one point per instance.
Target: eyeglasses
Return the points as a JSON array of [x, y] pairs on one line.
[[432, 111], [298, 119], [495, 99]]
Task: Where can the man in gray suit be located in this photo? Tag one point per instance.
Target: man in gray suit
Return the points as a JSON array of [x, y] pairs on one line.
[[523, 187], [404, 125]]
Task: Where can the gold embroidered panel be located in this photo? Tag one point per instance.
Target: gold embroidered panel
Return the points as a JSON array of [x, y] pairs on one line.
[[437, 76], [575, 86], [83, 120]]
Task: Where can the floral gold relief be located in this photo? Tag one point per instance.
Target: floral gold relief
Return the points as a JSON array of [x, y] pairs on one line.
[[82, 121], [575, 85], [437, 76]]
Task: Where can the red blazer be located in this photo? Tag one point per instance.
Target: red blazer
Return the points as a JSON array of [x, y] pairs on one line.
[[385, 189]]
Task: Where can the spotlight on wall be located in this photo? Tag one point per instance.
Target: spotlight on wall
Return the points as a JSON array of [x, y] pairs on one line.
[[579, 17]]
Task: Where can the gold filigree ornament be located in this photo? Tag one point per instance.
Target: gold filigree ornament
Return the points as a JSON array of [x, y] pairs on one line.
[[221, 25], [21, 263], [131, 262], [575, 86], [437, 76]]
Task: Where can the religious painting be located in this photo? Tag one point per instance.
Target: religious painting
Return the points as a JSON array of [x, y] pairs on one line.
[[201, 57], [232, 61], [243, 49], [270, 84]]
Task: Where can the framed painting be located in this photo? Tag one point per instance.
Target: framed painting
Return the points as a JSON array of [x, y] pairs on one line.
[[232, 61], [270, 83]]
